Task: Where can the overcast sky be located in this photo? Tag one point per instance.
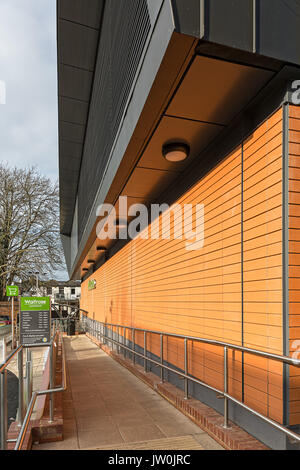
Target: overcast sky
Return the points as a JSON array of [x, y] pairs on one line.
[[28, 120]]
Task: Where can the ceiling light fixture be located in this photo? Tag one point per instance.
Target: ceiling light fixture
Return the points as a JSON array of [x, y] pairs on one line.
[[176, 152], [91, 261], [84, 269], [101, 248]]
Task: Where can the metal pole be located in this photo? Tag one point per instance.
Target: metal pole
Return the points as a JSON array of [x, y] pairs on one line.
[[186, 383], [28, 376], [12, 324], [161, 358], [225, 387], [3, 410], [21, 388], [4, 352], [124, 341], [133, 344], [51, 404], [145, 351], [118, 330]]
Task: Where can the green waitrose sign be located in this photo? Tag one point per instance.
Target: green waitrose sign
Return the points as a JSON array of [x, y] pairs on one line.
[[12, 291], [35, 320], [35, 303], [92, 284]]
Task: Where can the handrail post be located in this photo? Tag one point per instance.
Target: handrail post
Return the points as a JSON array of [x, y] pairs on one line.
[[3, 409], [225, 387], [4, 349], [51, 404], [28, 376], [161, 358], [118, 332], [124, 341], [133, 344], [186, 383], [21, 388], [145, 351]]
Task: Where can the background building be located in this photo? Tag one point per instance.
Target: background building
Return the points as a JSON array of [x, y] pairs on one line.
[[218, 76]]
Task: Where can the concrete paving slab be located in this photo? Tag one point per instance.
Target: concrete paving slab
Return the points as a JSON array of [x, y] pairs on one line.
[[107, 407]]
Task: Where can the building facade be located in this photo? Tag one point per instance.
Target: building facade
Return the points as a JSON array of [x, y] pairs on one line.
[[207, 83]]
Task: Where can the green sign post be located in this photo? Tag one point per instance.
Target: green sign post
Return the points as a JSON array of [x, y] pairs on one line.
[[12, 291], [35, 321]]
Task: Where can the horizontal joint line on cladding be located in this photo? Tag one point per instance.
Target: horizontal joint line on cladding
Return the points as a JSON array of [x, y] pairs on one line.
[[267, 184], [267, 210], [161, 254], [207, 177], [263, 224], [269, 164], [263, 147], [202, 194], [252, 139], [267, 153], [267, 188]]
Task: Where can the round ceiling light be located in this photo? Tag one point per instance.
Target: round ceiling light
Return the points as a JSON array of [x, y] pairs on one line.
[[176, 152]]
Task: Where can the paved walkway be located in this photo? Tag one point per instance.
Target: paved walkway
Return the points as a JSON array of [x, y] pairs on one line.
[[107, 407]]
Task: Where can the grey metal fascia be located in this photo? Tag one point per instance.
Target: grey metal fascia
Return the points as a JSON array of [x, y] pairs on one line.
[[159, 39]]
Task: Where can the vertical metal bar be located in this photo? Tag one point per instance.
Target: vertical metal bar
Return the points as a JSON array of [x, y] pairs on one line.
[[3, 410], [12, 324], [285, 260], [51, 403], [145, 351], [28, 376], [118, 330], [186, 383], [225, 387], [21, 388], [202, 19], [124, 341], [4, 352], [161, 358], [133, 344], [254, 26]]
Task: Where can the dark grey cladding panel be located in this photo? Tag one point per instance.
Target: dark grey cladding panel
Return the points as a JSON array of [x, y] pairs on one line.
[[187, 16], [72, 132], [125, 28], [230, 22], [69, 150], [279, 29], [73, 110], [75, 83], [78, 45], [87, 12]]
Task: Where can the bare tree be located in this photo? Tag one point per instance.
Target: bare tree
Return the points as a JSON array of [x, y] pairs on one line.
[[29, 225]]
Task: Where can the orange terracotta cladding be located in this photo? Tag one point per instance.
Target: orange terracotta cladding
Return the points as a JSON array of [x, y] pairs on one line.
[[159, 285], [294, 258]]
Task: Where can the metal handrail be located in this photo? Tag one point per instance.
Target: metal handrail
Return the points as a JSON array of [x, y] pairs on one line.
[[257, 352], [3, 387], [185, 375], [27, 418]]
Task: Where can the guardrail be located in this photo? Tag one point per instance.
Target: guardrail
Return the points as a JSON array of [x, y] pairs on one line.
[[25, 420], [98, 330]]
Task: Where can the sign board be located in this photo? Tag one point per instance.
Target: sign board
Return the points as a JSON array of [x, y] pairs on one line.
[[12, 291], [92, 284], [35, 321]]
